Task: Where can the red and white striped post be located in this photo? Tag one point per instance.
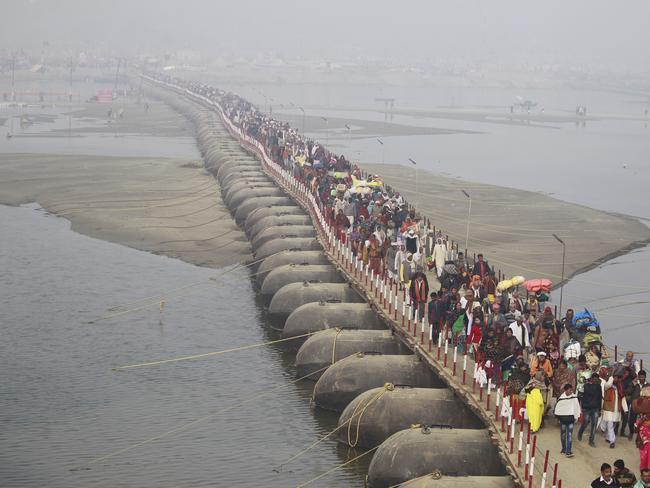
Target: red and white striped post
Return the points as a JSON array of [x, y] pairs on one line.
[[489, 389], [453, 371], [464, 368], [530, 454], [520, 447], [511, 434], [555, 476], [430, 336], [422, 331], [474, 377], [440, 334], [446, 351], [531, 470], [545, 472]]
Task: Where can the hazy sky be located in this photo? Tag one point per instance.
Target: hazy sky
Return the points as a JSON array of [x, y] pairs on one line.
[[595, 32]]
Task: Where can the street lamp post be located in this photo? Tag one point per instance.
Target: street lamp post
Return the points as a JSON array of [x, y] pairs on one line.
[[469, 217], [327, 131], [382, 149], [303, 120], [563, 257], [417, 190]]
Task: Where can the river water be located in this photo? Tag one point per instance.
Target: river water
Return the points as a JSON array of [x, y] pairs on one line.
[[62, 405]]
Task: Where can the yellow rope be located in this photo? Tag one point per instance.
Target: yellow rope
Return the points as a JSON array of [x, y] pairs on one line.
[[338, 331], [187, 425], [200, 187], [202, 240], [210, 354], [387, 387], [175, 292], [336, 467], [129, 208], [222, 217], [194, 212], [314, 444], [434, 475]]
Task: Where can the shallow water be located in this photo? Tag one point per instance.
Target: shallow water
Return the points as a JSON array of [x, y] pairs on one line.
[[55, 131], [62, 406]]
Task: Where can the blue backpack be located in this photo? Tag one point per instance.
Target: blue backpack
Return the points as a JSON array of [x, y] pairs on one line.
[[586, 321]]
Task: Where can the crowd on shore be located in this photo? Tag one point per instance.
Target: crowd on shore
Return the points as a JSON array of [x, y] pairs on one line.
[[556, 368]]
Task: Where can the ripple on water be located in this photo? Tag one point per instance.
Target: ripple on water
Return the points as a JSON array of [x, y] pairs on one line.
[[62, 405]]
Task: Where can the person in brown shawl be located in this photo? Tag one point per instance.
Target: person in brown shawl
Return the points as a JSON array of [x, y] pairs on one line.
[[562, 376]]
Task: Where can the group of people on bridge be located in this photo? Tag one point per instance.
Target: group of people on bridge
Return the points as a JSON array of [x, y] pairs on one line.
[[546, 363]]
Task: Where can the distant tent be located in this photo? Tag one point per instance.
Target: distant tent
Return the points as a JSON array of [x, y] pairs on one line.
[[105, 95]]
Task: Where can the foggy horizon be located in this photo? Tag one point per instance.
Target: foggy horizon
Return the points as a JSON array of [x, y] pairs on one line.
[[594, 34]]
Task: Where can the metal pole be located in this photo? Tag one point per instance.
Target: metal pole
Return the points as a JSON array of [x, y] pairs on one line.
[[327, 131], [417, 189], [13, 78], [416, 182], [469, 217], [303, 120], [70, 92], [382, 149], [563, 259]]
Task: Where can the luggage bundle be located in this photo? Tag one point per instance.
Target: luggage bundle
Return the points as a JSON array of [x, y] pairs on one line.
[[586, 321], [585, 328], [591, 338], [539, 285], [572, 350]]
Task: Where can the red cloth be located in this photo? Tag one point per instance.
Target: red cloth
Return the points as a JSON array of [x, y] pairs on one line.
[[475, 334], [644, 455]]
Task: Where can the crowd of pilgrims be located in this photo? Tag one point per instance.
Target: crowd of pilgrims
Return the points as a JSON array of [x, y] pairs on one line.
[[516, 339]]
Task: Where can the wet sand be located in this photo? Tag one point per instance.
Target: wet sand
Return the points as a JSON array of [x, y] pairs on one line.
[[514, 228], [360, 128], [168, 206]]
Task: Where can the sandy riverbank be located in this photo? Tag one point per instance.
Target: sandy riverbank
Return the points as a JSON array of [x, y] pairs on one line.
[[514, 228], [165, 205]]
